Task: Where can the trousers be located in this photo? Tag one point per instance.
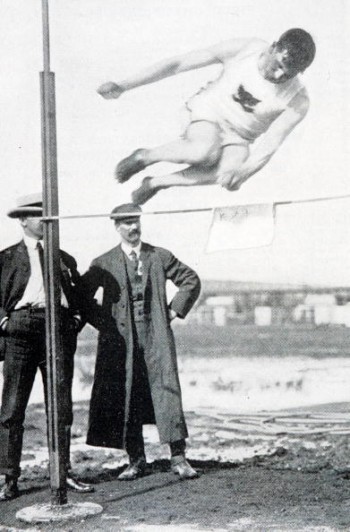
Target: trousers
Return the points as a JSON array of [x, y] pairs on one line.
[[140, 395], [25, 353]]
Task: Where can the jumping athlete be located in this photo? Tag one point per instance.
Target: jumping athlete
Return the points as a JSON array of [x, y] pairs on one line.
[[258, 95]]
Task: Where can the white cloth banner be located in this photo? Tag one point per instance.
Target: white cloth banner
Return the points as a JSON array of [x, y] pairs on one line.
[[241, 227]]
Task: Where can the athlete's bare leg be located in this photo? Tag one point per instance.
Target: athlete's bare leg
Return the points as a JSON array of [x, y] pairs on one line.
[[201, 144], [193, 175], [196, 175], [233, 156]]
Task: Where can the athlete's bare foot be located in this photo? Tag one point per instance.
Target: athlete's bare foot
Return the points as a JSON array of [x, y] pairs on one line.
[[131, 165], [145, 191]]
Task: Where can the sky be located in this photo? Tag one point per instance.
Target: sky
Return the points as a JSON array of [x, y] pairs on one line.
[[93, 41]]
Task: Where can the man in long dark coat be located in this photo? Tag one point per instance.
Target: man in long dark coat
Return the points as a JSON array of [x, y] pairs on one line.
[[136, 376]]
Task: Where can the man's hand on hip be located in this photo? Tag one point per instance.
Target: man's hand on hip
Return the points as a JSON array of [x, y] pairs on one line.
[[3, 324], [172, 314]]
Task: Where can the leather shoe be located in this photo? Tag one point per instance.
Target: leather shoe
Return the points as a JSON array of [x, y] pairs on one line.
[[181, 467], [134, 470], [9, 491], [80, 487]]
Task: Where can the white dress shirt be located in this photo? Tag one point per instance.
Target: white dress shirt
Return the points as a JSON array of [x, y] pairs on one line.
[[128, 249], [137, 249], [34, 293]]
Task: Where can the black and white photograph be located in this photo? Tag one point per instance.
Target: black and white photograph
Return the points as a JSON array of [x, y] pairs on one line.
[[175, 266]]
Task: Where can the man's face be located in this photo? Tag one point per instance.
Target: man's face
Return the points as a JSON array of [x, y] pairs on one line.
[[129, 230], [33, 227], [277, 68]]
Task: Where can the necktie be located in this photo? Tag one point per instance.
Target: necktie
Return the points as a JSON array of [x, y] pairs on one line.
[[136, 263], [134, 260], [40, 249]]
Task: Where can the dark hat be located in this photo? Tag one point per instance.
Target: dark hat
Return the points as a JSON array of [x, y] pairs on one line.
[[125, 211], [29, 205]]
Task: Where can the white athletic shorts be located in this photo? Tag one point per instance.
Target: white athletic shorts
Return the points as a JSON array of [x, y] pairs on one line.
[[201, 110]]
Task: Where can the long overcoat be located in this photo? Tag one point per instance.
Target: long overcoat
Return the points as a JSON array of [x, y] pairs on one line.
[[110, 400]]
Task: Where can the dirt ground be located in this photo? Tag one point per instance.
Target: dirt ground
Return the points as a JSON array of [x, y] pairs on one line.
[[271, 471]]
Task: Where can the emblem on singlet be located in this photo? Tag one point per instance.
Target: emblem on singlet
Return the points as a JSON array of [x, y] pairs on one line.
[[245, 99]]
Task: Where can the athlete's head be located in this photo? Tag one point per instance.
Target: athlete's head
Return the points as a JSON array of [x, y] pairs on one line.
[[292, 53], [299, 46]]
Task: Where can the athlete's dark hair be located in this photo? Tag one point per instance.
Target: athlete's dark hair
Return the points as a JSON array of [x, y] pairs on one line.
[[300, 46]]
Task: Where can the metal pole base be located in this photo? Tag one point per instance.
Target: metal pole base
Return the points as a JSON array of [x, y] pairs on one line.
[[47, 513]]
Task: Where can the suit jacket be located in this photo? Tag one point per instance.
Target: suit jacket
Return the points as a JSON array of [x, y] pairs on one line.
[[110, 401], [14, 276]]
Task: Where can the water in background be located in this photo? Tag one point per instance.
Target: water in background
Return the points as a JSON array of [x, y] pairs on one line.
[[275, 369], [260, 383]]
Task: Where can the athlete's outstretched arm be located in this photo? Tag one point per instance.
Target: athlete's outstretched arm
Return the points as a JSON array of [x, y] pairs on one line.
[[174, 65], [269, 143]]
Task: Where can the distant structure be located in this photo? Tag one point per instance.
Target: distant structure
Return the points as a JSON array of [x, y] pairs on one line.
[[264, 304]]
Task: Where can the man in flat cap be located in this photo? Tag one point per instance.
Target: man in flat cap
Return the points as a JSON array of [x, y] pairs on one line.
[[136, 377], [22, 337]]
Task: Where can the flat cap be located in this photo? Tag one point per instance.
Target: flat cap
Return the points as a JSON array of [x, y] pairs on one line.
[[125, 211], [29, 205]]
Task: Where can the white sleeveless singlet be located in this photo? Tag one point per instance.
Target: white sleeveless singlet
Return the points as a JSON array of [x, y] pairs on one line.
[[241, 101]]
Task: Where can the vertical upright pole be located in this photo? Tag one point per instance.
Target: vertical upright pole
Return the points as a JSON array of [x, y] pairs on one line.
[[55, 376]]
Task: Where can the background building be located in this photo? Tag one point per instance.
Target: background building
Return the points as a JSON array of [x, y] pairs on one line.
[[224, 302]]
